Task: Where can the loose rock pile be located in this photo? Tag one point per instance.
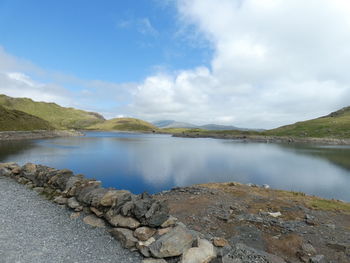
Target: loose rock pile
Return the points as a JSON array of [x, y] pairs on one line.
[[139, 222]]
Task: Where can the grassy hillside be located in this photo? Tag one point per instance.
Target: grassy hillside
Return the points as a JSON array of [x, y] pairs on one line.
[[124, 124], [334, 125], [58, 116], [14, 120]]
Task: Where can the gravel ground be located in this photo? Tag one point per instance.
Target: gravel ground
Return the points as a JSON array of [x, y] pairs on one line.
[[33, 229]]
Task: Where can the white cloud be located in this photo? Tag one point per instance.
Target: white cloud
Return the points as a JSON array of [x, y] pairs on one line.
[[274, 62]]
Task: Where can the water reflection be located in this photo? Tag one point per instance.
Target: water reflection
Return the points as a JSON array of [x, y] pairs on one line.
[[157, 162]]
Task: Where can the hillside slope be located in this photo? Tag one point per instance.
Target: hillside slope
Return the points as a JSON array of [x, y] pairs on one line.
[[57, 116], [334, 125], [124, 124], [14, 120]]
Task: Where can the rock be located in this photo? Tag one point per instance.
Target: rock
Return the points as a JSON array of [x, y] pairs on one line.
[[79, 209], [204, 253], [153, 260], [115, 198], [96, 211], [157, 214], [144, 233], [94, 221], [318, 259], [60, 179], [88, 191], [126, 209], [310, 220], [163, 231], [122, 221], [74, 215], [220, 242], [125, 236], [171, 221], [4, 171], [275, 214], [73, 203], [265, 186], [143, 246], [173, 243], [61, 200], [308, 249]]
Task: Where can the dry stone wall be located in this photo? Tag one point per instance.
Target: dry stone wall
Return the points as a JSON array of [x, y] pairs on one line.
[[139, 222]]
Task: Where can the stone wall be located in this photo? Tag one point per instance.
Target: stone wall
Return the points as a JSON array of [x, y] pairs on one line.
[[139, 222]]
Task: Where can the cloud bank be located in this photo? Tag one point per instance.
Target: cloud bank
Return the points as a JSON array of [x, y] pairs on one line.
[[274, 62]]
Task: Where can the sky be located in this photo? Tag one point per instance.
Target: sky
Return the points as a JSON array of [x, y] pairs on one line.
[[248, 63]]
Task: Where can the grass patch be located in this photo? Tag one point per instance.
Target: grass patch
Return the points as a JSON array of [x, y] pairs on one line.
[[124, 124], [329, 205]]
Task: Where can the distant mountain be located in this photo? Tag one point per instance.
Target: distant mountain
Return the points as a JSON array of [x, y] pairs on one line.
[[57, 116], [14, 120], [173, 124], [124, 124], [334, 125]]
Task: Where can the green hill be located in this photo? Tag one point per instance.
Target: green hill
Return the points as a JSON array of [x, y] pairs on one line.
[[334, 125], [57, 116], [14, 120], [124, 124]]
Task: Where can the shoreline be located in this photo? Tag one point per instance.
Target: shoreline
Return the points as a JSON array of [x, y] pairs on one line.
[[39, 134], [266, 139]]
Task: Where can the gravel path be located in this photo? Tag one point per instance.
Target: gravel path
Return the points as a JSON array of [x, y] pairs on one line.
[[33, 229]]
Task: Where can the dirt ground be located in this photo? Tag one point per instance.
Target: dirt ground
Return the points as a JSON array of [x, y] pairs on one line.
[[307, 226]]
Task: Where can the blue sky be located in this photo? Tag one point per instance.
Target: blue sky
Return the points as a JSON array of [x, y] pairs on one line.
[[247, 63], [119, 41]]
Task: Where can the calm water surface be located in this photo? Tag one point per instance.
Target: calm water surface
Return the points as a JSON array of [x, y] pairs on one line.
[[152, 163]]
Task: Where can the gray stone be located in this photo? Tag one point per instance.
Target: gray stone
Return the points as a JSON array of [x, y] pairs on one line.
[[122, 221], [38, 189], [73, 203], [173, 243], [115, 198], [94, 221], [143, 246], [157, 214], [144, 233], [60, 200], [96, 211], [204, 253], [125, 236]]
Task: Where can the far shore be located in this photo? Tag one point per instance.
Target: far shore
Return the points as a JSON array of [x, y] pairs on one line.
[[38, 134], [265, 139]]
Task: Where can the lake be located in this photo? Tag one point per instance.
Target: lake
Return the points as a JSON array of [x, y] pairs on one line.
[[153, 162]]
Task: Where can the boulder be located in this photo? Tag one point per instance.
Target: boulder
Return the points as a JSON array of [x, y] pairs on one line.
[[61, 178], [144, 233], [115, 198], [94, 221], [204, 253], [84, 192], [125, 236], [173, 243], [155, 216], [121, 221], [96, 211], [73, 203]]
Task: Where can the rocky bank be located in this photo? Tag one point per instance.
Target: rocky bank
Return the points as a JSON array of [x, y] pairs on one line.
[[228, 223], [24, 135]]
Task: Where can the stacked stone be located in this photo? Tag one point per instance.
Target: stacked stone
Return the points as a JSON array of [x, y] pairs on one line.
[[139, 222]]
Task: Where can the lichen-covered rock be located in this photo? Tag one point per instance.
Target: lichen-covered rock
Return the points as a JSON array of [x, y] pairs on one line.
[[115, 198], [173, 243], [144, 233], [94, 221], [125, 236], [4, 171], [84, 192], [204, 253], [121, 221], [220, 242], [61, 178], [171, 221]]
